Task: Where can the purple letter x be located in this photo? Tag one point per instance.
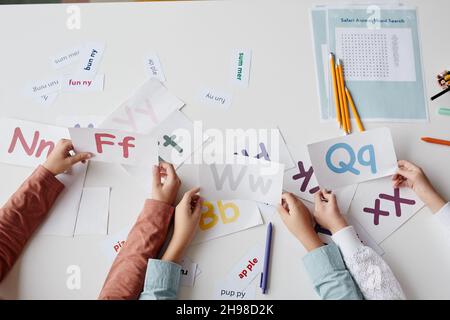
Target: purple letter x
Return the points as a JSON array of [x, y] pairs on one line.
[[397, 200], [376, 212]]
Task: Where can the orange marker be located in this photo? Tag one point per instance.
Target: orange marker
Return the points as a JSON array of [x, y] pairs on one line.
[[436, 141], [354, 110], [335, 89]]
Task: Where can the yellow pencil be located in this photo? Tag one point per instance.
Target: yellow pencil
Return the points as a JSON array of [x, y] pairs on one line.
[[354, 110], [335, 89], [343, 99]]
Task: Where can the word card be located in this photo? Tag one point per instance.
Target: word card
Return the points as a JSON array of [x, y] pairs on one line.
[[93, 213], [153, 67], [220, 218], [66, 57], [381, 209], [252, 181], [302, 182], [227, 291], [113, 243], [116, 146], [269, 147], [188, 272], [75, 83], [247, 269], [26, 143], [240, 67], [90, 59], [215, 98], [46, 100], [150, 105], [354, 158], [43, 87]]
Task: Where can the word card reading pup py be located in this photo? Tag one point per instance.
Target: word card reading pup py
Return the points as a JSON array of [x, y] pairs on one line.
[[353, 159], [116, 146]]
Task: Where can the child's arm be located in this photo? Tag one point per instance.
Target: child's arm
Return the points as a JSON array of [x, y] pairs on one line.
[[126, 277], [323, 263], [28, 206], [373, 276], [163, 276], [411, 176]]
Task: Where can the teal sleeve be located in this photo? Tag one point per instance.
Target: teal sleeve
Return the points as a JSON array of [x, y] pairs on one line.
[[329, 275], [162, 280]]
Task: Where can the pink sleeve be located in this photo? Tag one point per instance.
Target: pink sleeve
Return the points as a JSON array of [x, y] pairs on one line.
[[126, 277], [23, 213]]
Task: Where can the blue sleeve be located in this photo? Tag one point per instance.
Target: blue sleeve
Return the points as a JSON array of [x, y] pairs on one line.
[[329, 275], [162, 280]]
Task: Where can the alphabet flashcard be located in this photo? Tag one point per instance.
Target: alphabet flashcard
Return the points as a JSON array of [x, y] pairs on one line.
[[26, 143], [248, 268], [354, 158], [116, 146], [381, 209], [220, 218], [302, 181], [144, 110], [258, 181]]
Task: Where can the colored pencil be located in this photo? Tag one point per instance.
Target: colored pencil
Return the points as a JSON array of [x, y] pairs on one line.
[[355, 111], [444, 111], [344, 105], [265, 274], [335, 89], [436, 141]]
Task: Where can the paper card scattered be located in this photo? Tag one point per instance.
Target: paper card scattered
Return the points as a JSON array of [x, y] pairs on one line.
[[381, 209], [215, 98], [266, 145], [150, 105], [116, 146], [220, 218], [188, 272], [248, 268], [90, 59], [176, 139], [93, 213], [302, 182], [354, 158], [226, 291], [46, 100], [113, 243], [66, 57], [26, 143], [153, 67], [89, 121], [75, 83], [261, 181], [62, 216], [240, 67], [43, 87]]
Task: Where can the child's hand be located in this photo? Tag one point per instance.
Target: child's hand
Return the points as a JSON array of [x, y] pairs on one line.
[[298, 220], [326, 211], [187, 217], [60, 160], [165, 191], [411, 176]]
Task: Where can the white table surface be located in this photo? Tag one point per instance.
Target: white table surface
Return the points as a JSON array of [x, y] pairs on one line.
[[194, 40]]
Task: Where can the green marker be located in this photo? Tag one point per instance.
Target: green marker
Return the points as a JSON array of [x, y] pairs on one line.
[[444, 111]]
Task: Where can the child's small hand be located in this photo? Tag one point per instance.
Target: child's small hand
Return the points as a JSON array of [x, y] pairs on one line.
[[60, 160], [411, 176], [326, 211], [298, 220], [165, 191], [187, 217]]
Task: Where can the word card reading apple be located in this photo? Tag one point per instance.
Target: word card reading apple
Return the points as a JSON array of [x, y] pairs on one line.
[[354, 158], [116, 146], [247, 268]]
